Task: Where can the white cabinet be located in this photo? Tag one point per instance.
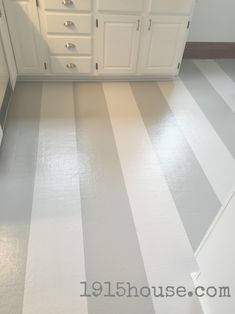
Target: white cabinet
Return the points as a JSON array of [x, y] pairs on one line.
[[107, 38], [120, 5], [117, 43], [170, 7], [67, 29], [163, 44], [22, 17], [160, 46]]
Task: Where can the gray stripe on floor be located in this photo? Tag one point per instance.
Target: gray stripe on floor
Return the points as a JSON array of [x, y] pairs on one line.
[[17, 169], [228, 65], [190, 188], [111, 247], [221, 117]]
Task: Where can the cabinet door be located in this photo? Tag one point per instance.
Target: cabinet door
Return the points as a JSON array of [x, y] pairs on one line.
[[120, 5], [23, 21], [171, 6], [163, 42], [117, 40]]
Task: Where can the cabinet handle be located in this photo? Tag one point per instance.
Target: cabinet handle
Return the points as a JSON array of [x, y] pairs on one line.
[[71, 65], [138, 25], [68, 23], [150, 25], [70, 45], [67, 2]]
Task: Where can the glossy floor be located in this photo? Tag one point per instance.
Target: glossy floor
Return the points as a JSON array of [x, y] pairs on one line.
[[112, 182]]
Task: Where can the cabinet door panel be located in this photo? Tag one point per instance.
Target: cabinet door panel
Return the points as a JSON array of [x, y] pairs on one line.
[[171, 6], [117, 40], [120, 5], [27, 42], [163, 44]]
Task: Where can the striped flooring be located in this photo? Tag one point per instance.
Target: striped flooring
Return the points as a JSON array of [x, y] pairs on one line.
[[112, 182]]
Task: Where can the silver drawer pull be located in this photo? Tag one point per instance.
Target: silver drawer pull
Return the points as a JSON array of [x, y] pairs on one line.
[[70, 46], [71, 65], [67, 2], [68, 23]]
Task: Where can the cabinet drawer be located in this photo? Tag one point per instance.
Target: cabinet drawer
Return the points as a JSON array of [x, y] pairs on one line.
[[120, 5], [69, 46], [68, 23], [171, 6], [68, 5], [71, 65]]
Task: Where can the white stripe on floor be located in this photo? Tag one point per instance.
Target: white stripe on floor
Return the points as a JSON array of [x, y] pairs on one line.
[[55, 264], [213, 156], [221, 82], [164, 245]]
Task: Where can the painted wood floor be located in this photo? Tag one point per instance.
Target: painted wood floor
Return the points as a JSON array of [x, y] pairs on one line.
[[112, 182]]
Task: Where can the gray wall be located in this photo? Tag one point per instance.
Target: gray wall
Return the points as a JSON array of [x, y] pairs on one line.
[[213, 21]]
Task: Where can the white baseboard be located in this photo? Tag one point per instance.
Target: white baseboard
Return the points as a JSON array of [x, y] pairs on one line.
[[95, 78], [215, 222]]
